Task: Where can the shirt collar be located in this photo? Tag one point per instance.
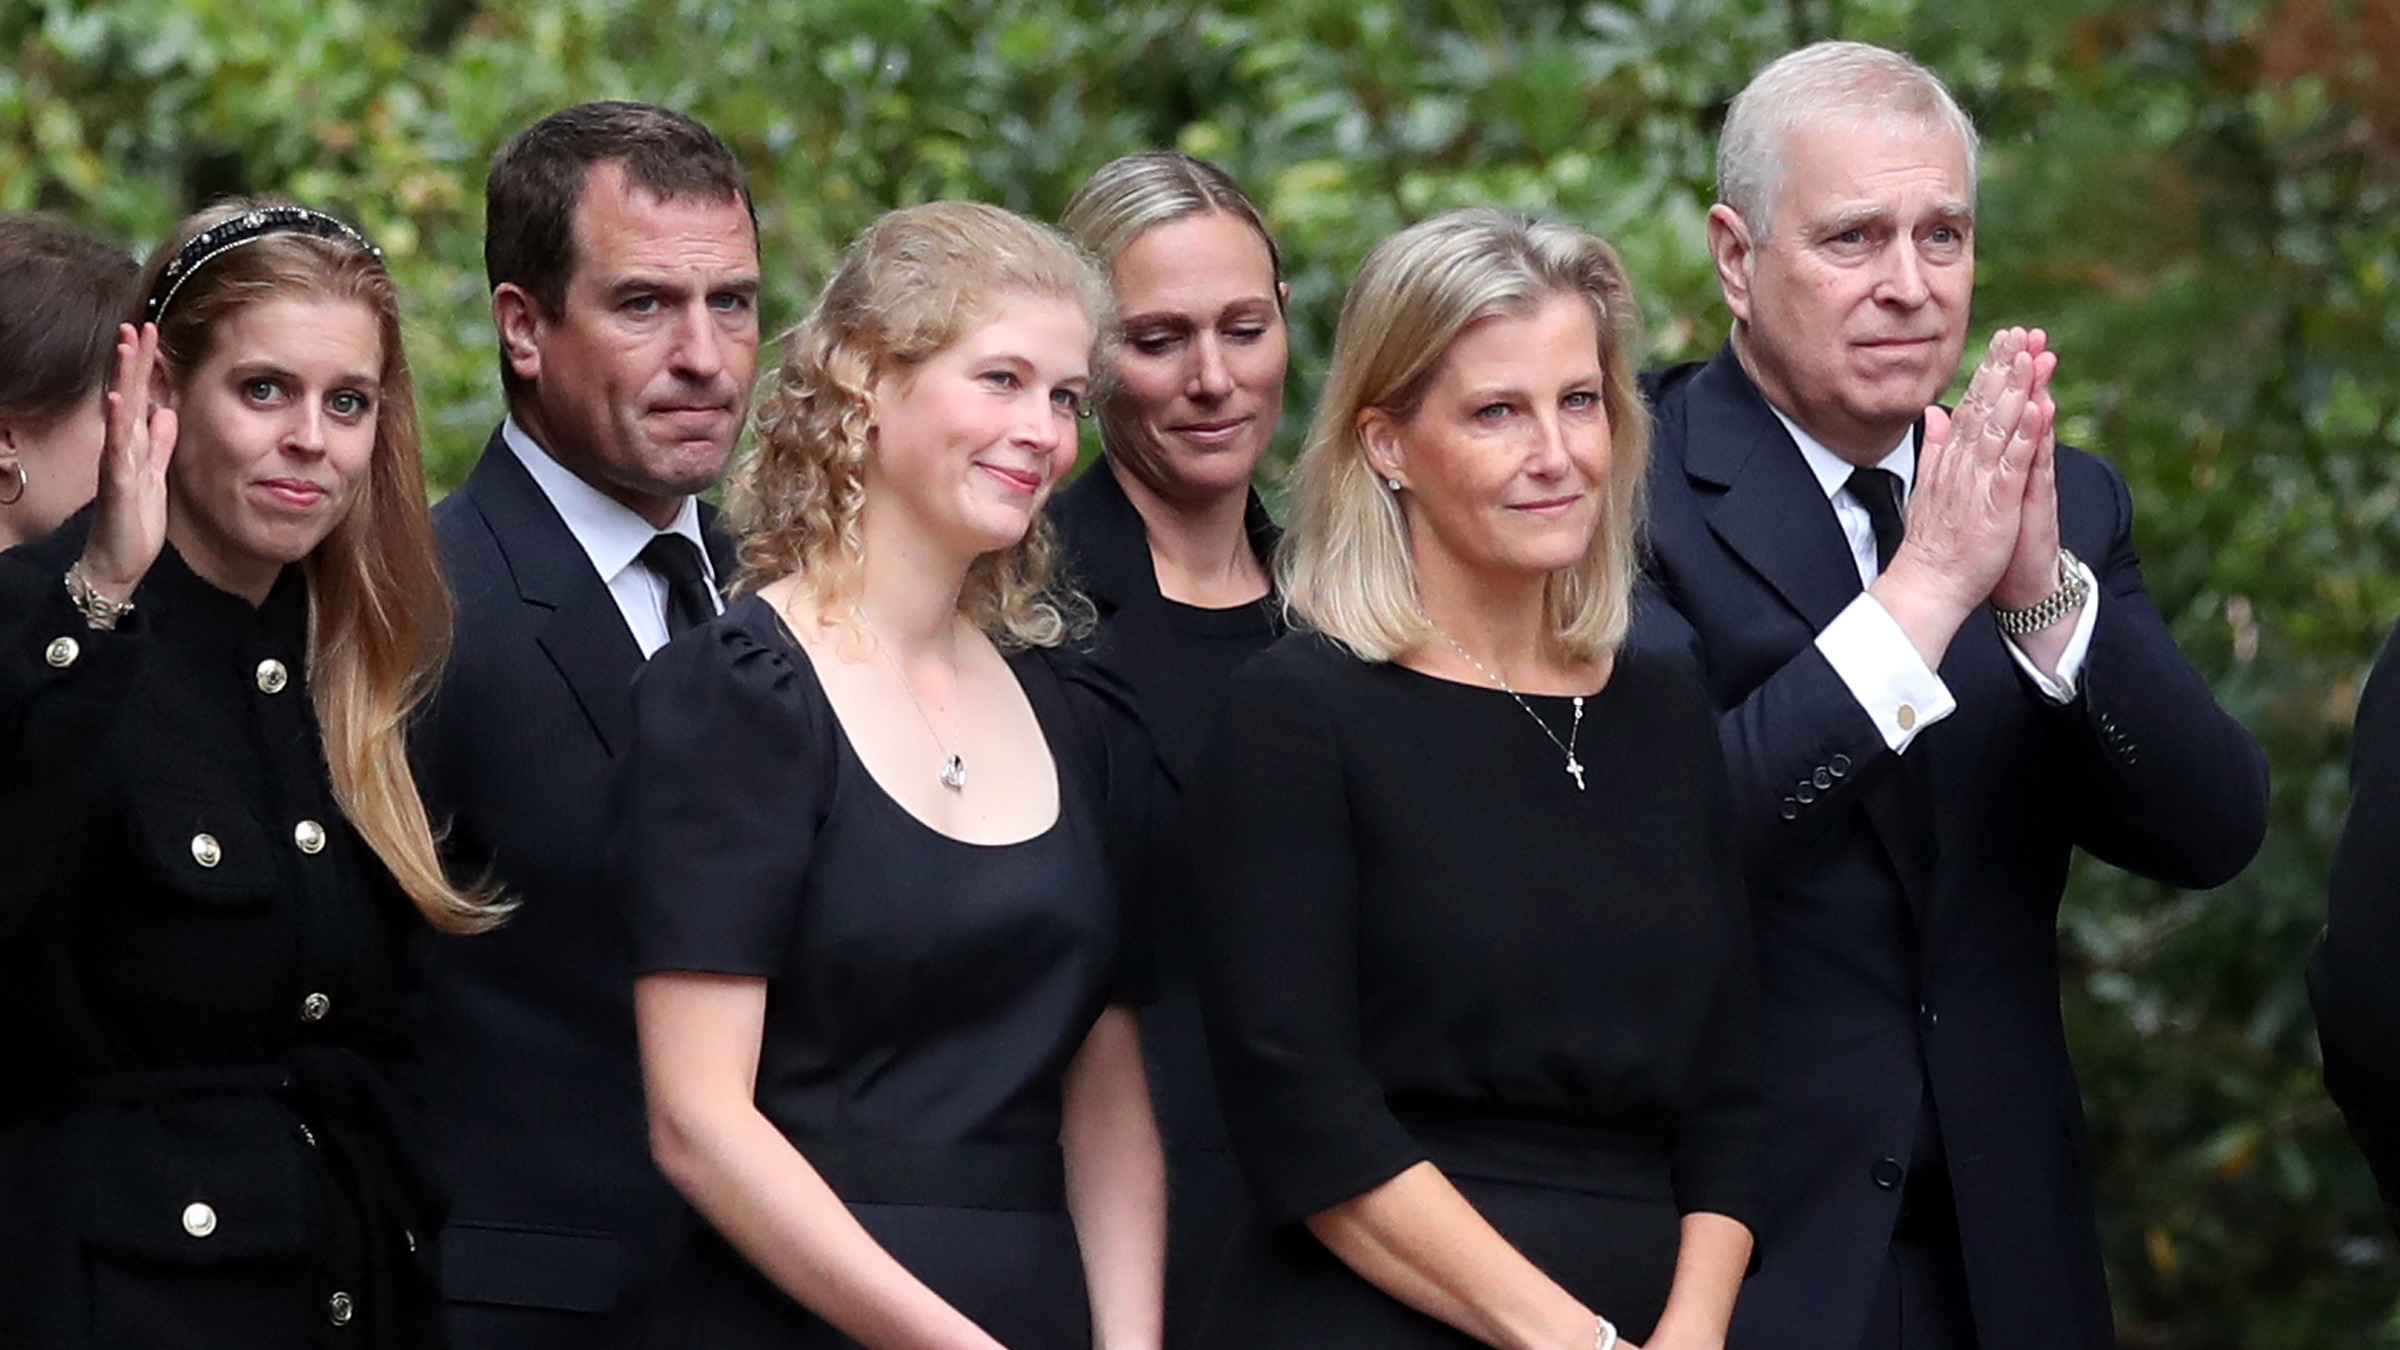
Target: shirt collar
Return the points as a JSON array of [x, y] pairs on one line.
[[1833, 472], [612, 534]]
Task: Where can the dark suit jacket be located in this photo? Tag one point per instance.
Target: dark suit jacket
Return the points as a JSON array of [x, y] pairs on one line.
[[2351, 980], [560, 1222], [1906, 906]]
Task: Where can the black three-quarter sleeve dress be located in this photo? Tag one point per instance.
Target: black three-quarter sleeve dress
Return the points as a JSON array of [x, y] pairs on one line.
[[1422, 942], [925, 996], [204, 979]]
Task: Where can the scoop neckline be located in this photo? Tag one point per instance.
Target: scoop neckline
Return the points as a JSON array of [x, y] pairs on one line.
[[1615, 668], [849, 751]]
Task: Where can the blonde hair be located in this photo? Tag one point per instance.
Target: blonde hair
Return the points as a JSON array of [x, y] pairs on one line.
[[378, 613], [1127, 198], [1131, 195], [918, 280], [1345, 566]]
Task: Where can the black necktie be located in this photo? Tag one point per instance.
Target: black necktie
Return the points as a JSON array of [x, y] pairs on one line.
[[1878, 490], [691, 602]]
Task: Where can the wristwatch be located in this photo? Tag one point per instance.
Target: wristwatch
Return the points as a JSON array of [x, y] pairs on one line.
[[2072, 590]]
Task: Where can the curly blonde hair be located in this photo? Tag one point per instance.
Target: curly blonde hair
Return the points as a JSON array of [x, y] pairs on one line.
[[918, 280]]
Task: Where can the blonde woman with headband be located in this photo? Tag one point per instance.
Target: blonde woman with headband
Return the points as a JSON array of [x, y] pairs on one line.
[[1167, 537], [879, 991], [216, 859], [1475, 957]]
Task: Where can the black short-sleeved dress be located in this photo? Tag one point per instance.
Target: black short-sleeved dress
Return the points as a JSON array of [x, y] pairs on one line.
[[925, 996], [1168, 663], [1422, 942]]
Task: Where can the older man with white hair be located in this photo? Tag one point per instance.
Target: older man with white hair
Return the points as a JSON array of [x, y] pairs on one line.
[[1939, 674]]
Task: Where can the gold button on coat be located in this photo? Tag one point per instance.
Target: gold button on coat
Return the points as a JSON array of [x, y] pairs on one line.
[[310, 836], [313, 1009], [205, 850], [199, 1219], [61, 652], [340, 1307], [272, 676]]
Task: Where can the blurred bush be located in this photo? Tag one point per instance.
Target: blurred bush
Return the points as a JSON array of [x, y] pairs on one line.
[[2194, 196]]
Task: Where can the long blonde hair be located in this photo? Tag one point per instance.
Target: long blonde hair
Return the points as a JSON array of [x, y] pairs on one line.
[[378, 614], [918, 279], [1345, 565]]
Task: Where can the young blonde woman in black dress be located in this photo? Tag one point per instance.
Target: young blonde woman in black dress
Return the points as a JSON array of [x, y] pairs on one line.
[[880, 996]]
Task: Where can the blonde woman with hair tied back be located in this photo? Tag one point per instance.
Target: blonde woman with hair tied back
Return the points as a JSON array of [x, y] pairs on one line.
[[1166, 535], [216, 851], [1476, 960], [879, 989]]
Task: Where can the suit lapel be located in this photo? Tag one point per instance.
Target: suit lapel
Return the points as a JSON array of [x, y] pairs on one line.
[[1771, 511], [1759, 496], [584, 634]]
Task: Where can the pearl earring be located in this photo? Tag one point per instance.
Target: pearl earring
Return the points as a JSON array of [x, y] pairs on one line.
[[1392, 483]]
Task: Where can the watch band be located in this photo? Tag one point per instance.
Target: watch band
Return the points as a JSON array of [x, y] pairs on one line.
[[2072, 590]]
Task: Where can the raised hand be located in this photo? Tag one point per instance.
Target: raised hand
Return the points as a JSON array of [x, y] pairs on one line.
[[1967, 506], [129, 517]]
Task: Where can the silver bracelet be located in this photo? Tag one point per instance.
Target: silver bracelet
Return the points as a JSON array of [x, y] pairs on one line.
[[99, 612], [1604, 1336]]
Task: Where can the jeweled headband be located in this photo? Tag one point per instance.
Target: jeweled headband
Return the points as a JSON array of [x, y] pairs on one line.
[[246, 228]]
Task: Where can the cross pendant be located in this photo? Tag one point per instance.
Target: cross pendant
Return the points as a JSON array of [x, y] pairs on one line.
[[1575, 769]]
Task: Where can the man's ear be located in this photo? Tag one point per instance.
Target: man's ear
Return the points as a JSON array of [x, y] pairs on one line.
[[518, 319], [1379, 435], [1731, 250]]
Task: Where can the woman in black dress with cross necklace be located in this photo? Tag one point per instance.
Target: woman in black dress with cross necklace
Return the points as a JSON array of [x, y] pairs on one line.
[[1475, 957]]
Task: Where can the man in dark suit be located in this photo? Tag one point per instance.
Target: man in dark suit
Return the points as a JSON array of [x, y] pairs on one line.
[[1939, 674], [623, 259], [2350, 981]]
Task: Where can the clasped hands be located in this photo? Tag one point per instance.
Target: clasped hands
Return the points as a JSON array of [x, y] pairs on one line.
[[1983, 511]]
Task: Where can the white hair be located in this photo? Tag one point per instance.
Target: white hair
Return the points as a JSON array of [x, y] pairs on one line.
[[1847, 81]]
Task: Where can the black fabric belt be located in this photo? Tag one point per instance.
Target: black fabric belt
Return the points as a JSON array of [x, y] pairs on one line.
[[968, 1176], [1557, 1154]]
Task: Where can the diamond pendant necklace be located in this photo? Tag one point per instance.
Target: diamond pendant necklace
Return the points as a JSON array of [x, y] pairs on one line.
[[953, 773], [1575, 730]]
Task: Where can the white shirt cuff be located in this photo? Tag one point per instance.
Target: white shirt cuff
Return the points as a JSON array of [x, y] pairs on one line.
[[2060, 688], [1866, 648]]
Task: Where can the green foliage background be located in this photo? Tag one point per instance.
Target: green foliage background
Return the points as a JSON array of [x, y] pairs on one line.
[[2194, 196]]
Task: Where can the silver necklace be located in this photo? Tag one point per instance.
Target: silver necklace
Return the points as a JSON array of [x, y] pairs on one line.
[[1565, 747], [953, 772]]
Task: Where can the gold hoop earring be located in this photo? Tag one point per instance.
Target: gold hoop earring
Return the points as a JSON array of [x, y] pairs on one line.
[[12, 482]]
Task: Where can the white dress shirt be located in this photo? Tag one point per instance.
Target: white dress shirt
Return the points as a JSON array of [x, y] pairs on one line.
[[613, 536], [1864, 643]]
